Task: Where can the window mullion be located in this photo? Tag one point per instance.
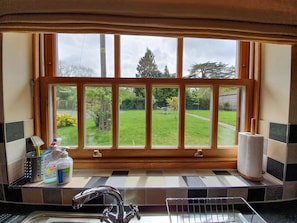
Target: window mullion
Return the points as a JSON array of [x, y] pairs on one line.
[[180, 45], [149, 106], [80, 115], [181, 131], [115, 116], [117, 57], [214, 116]]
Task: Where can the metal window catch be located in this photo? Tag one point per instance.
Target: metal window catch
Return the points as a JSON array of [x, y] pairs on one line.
[[97, 153], [199, 153]]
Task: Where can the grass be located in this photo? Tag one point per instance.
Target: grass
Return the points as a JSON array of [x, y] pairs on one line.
[[164, 129]]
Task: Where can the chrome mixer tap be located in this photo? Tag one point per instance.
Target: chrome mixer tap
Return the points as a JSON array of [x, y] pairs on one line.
[[108, 216]]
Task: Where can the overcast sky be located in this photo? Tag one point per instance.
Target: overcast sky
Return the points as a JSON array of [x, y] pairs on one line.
[[84, 50]]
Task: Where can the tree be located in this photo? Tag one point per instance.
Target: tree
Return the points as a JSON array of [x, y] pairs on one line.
[[166, 72], [161, 94], [98, 100], [212, 70], [66, 70], [147, 66]]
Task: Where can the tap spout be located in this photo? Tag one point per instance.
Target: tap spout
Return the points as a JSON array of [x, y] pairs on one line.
[[83, 197], [92, 193]]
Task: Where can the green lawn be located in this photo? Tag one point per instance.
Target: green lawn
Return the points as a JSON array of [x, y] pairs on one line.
[[164, 128]]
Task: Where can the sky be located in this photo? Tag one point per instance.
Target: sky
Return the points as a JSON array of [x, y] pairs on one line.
[[84, 50]]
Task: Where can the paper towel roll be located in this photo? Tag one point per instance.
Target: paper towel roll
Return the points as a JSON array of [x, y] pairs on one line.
[[250, 155]]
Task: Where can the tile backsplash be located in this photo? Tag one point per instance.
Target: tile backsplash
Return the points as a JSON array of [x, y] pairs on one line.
[[17, 142]]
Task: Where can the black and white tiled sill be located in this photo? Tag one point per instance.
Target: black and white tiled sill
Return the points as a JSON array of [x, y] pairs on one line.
[[152, 187]]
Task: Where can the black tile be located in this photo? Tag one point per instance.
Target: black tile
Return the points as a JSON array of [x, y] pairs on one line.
[[52, 196], [1, 133], [193, 181], [278, 132], [275, 168], [14, 131], [96, 181], [293, 134], [221, 172], [256, 194], [193, 193], [291, 172], [120, 173], [13, 194]]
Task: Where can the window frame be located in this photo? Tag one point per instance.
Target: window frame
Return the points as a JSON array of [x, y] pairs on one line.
[[148, 157]]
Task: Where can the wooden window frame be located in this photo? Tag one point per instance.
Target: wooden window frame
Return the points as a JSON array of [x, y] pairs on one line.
[[147, 157]]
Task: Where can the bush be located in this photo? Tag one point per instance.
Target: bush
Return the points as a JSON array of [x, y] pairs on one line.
[[65, 119]]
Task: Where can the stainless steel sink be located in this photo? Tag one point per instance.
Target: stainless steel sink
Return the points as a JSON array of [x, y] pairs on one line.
[[70, 217]]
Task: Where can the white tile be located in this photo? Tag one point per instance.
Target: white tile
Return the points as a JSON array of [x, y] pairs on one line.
[[15, 150], [136, 181], [116, 181], [155, 181], [174, 181], [232, 181], [211, 181]]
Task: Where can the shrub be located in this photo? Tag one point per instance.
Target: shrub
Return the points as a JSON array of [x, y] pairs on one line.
[[65, 119]]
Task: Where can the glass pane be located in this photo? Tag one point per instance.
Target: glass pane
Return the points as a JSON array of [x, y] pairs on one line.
[[228, 108], [66, 114], [98, 116], [209, 58], [148, 56], [85, 55], [132, 116], [165, 116], [197, 116]]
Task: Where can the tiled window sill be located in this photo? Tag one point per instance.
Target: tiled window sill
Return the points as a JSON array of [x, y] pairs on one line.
[[152, 187]]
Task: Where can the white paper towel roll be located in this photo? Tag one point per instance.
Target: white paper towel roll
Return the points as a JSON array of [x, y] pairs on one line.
[[250, 155]]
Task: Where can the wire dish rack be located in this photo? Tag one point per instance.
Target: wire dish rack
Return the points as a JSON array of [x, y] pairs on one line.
[[215, 210]]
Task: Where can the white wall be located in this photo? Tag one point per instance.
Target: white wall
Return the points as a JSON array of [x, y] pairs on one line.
[[17, 96], [275, 83], [17, 72]]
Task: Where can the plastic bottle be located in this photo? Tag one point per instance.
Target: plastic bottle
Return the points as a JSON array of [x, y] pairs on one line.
[[64, 168], [49, 163]]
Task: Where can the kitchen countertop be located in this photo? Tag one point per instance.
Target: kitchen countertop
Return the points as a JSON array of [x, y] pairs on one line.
[[275, 212]]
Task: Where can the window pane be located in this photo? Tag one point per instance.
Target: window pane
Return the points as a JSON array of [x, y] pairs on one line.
[[66, 114], [132, 116], [165, 116], [228, 109], [209, 58], [98, 116], [197, 117], [148, 56], [85, 55]]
